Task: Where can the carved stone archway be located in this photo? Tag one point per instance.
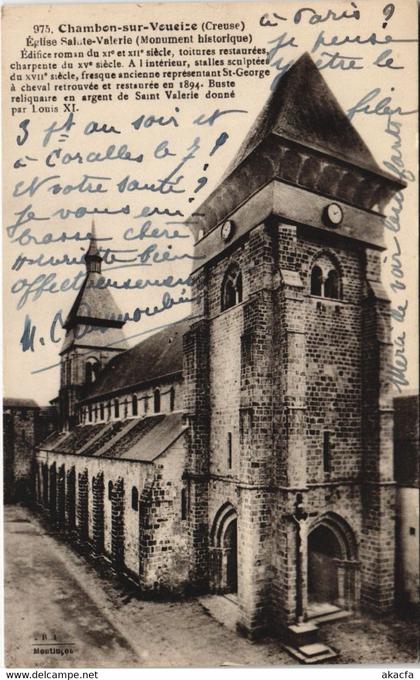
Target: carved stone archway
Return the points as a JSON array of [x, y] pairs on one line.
[[333, 567], [223, 551]]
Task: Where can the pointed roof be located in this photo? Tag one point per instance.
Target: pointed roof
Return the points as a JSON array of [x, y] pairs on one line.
[[93, 250], [302, 108], [94, 302], [94, 318]]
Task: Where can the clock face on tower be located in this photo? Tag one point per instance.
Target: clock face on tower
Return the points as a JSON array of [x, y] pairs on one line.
[[333, 215], [227, 229]]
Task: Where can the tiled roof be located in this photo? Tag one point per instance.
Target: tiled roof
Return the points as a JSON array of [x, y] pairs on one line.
[[159, 355], [11, 402], [154, 440], [93, 301], [303, 108], [140, 439]]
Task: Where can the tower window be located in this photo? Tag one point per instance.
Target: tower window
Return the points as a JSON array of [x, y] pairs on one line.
[[91, 371], [110, 490], [316, 281], [232, 287], [116, 408], [184, 505], [172, 399], [134, 405], [229, 450], [156, 401], [327, 451], [90, 413], [325, 279], [332, 285], [134, 498], [109, 408], [102, 410], [68, 367]]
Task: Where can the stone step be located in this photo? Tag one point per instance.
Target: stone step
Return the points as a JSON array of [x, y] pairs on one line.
[[300, 634], [334, 616], [311, 654]]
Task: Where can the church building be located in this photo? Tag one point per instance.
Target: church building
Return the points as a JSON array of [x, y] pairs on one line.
[[249, 450]]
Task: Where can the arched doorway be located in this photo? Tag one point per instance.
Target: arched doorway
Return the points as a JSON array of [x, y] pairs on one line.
[[230, 546], [224, 551], [323, 551], [333, 568]]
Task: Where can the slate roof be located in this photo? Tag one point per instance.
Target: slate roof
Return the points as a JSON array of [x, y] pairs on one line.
[[139, 439], [95, 336], [159, 355], [11, 402], [303, 108], [93, 302]]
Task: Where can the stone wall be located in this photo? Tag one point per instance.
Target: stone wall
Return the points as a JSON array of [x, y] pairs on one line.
[[286, 380], [171, 399], [93, 499], [19, 438]]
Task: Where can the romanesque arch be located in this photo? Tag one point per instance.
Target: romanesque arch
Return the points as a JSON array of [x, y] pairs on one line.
[[333, 567], [326, 276], [224, 551]]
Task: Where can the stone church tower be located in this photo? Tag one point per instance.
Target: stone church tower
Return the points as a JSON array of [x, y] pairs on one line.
[[93, 336], [290, 476]]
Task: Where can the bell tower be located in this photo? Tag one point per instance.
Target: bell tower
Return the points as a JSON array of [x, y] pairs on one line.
[[93, 335], [287, 398]]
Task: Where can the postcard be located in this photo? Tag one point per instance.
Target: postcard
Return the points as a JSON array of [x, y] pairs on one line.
[[210, 271]]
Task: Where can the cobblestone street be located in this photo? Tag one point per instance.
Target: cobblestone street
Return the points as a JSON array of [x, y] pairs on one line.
[[53, 595]]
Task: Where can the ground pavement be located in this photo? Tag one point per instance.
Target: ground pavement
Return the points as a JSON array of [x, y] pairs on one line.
[[55, 600]]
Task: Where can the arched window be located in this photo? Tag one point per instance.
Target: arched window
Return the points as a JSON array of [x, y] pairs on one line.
[[172, 399], [325, 278], [232, 287], [316, 281], [134, 405], [109, 408], [91, 370], [95, 413], [332, 285], [110, 489], [116, 408], [156, 401], [102, 410], [134, 498], [90, 413]]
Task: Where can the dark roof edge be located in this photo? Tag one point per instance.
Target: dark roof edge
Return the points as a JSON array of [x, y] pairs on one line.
[[99, 347], [383, 174]]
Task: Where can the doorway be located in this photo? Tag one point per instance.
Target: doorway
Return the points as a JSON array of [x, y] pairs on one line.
[[224, 551], [323, 552], [230, 546]]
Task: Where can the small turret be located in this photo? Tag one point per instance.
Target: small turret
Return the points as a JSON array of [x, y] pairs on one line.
[[93, 334], [92, 256]]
